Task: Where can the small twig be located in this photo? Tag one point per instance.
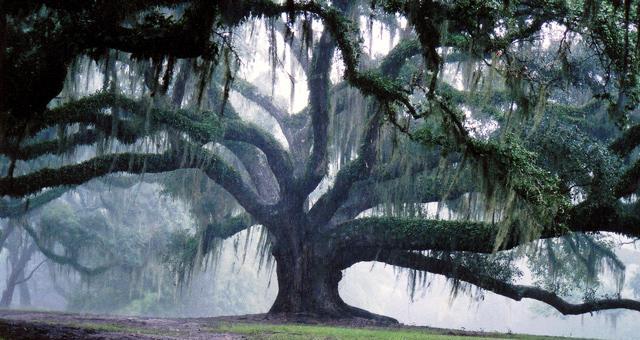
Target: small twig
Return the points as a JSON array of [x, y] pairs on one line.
[[32, 272]]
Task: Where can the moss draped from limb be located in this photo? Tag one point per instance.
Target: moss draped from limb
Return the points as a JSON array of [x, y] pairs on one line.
[[421, 234], [202, 128], [15, 208], [190, 157], [512, 291]]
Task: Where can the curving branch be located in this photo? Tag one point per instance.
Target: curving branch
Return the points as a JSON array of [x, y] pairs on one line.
[[64, 260], [255, 162], [63, 145], [513, 291], [369, 193], [202, 128], [252, 93], [294, 127], [279, 159], [190, 157], [360, 168], [33, 271]]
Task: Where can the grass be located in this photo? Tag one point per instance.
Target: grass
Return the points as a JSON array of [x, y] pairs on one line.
[[276, 332], [259, 331]]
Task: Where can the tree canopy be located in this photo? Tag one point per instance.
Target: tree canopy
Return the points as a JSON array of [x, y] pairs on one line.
[[519, 118]]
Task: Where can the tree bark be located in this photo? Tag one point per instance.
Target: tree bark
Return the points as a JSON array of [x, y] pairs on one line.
[[18, 265], [308, 280]]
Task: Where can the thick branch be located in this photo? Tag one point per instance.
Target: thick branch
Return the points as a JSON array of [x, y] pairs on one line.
[[423, 234], [190, 157], [252, 93], [362, 166], [279, 160], [224, 230], [627, 142], [513, 291], [316, 167], [201, 128], [255, 162], [371, 193]]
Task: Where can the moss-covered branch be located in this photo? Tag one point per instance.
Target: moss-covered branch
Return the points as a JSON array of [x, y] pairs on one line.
[[371, 193], [223, 230], [188, 157], [257, 167], [279, 159], [516, 292], [318, 83], [360, 168], [423, 234], [137, 121]]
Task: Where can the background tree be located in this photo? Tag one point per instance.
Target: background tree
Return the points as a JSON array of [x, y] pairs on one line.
[[546, 122]]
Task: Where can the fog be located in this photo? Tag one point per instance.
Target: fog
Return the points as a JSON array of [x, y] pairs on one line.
[[236, 285], [141, 244]]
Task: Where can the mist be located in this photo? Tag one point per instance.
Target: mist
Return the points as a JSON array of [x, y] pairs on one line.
[[339, 156]]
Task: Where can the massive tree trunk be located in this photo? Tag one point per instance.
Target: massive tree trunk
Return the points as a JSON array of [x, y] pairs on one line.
[[308, 278], [306, 283]]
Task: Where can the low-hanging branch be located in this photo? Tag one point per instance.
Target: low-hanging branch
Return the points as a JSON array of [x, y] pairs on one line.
[[62, 259], [513, 291]]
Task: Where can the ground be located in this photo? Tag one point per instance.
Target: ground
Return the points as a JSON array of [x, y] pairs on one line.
[[56, 325]]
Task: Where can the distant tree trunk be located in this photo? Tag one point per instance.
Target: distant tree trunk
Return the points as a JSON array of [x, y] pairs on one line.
[[25, 294], [18, 258]]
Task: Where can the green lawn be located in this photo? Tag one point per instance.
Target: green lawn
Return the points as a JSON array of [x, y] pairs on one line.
[[274, 332]]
